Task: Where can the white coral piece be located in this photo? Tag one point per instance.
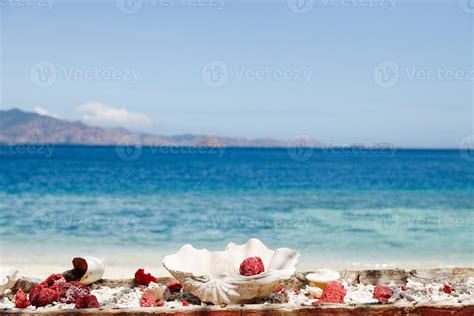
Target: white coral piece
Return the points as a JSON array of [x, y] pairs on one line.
[[8, 278]]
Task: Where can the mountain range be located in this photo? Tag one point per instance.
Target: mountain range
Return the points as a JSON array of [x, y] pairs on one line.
[[19, 127]]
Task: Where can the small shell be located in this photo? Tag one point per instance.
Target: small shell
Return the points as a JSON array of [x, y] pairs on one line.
[[92, 267], [322, 277], [159, 291], [314, 292], [8, 278]]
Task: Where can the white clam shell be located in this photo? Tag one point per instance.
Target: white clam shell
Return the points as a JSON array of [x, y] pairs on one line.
[[214, 276], [93, 268], [8, 278], [314, 292]]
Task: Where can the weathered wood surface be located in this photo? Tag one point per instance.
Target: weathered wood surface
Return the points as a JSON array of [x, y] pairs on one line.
[[270, 310], [354, 276]]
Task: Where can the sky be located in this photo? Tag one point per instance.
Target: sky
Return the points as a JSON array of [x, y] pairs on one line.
[[339, 71]]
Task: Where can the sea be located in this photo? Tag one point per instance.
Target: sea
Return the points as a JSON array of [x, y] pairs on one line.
[[345, 207]]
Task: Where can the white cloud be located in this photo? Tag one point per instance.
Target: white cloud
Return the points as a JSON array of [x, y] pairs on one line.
[[42, 111], [96, 113]]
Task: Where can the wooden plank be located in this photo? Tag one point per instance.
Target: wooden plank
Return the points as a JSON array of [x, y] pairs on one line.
[[364, 276], [267, 310]]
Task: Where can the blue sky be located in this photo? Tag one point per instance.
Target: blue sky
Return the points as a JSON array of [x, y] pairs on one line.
[[340, 71]]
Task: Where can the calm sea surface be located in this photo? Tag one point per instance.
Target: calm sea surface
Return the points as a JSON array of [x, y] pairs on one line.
[[352, 206]]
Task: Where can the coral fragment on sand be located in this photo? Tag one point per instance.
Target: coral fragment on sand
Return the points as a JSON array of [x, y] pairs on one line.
[[144, 279], [40, 295], [147, 300], [382, 293], [69, 292], [334, 292], [87, 301], [21, 299]]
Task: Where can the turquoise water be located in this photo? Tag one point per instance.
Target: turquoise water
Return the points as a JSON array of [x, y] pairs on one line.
[[348, 206]]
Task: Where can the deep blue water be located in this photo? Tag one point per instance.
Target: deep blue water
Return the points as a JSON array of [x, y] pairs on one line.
[[346, 205]]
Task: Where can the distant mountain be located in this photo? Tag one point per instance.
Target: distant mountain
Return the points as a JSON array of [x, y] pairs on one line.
[[19, 127]]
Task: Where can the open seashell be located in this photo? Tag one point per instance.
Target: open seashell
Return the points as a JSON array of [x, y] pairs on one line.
[[8, 278], [86, 269], [214, 276], [314, 292]]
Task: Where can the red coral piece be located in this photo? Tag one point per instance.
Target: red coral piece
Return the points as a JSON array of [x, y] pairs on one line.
[[144, 279], [69, 292], [160, 303], [185, 303], [251, 266], [174, 287], [53, 279], [21, 300], [147, 300], [382, 293], [403, 287], [87, 301], [40, 295], [334, 292], [54, 282], [447, 289]]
